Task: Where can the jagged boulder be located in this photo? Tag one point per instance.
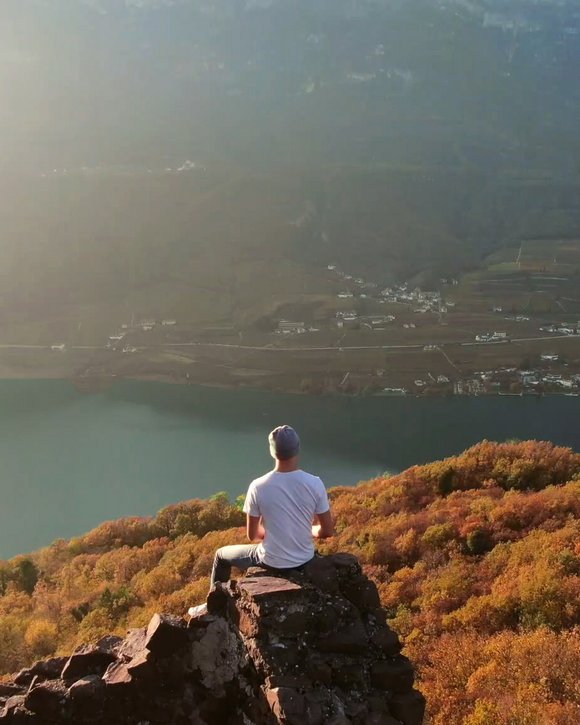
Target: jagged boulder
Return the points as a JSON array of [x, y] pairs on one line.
[[87, 660], [46, 670], [300, 648]]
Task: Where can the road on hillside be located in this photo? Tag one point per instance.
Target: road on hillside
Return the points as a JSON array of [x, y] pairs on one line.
[[269, 348], [363, 347]]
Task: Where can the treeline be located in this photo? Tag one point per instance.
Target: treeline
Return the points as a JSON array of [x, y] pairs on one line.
[[477, 560]]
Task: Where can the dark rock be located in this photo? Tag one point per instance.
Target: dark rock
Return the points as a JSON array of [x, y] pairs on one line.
[[349, 677], [165, 635], [87, 660], [247, 624], [117, 674], [314, 714], [12, 703], [363, 594], [350, 640], [46, 670], [197, 626], [218, 600], [280, 659], [355, 708], [409, 707], [291, 623], [288, 705], [255, 571], [8, 690], [381, 718], [133, 643], [142, 666], [215, 711], [110, 643], [285, 657], [15, 713], [86, 688], [295, 681], [46, 697], [379, 617], [378, 702], [346, 563], [322, 573], [387, 641], [395, 675], [319, 672], [267, 586], [22, 716]]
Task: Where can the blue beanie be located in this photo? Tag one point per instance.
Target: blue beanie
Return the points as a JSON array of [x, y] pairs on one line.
[[284, 442]]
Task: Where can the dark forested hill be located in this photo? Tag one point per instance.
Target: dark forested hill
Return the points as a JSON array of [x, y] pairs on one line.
[[410, 136], [476, 559], [480, 83]]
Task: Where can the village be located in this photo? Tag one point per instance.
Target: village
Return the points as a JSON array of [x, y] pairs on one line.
[[359, 338], [548, 376], [358, 290]]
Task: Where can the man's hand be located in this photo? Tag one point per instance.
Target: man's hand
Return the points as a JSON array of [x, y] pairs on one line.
[[324, 529]]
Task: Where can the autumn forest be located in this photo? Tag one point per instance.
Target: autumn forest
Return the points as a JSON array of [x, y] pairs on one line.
[[476, 558]]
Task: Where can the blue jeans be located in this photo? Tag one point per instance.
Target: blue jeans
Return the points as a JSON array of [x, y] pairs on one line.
[[242, 557]]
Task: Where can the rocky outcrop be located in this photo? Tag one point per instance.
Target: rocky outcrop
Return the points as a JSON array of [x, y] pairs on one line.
[[311, 648]]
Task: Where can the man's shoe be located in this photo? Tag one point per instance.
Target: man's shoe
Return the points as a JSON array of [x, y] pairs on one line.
[[198, 611]]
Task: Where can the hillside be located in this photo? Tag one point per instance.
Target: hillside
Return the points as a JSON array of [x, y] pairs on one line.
[[83, 254], [476, 560], [403, 140], [204, 162], [481, 83]]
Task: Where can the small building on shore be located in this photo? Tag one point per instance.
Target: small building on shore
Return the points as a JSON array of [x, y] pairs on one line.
[[287, 327]]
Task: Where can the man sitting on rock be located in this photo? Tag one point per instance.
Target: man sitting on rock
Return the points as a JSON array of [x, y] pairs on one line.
[[285, 510]]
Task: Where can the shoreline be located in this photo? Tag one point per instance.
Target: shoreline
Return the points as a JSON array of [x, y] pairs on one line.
[[507, 370], [93, 384]]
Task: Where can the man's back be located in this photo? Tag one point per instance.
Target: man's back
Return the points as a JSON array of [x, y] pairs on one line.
[[287, 503]]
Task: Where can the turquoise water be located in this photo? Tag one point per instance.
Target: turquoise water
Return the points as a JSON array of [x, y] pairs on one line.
[[69, 460]]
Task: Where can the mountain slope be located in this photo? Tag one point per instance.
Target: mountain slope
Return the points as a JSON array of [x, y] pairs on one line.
[[359, 81], [476, 560], [155, 156]]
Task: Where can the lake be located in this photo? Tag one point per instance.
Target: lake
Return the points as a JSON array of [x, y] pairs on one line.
[[70, 460]]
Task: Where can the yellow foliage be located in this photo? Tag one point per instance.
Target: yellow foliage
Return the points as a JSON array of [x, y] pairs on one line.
[[476, 559], [41, 637], [13, 654], [95, 625]]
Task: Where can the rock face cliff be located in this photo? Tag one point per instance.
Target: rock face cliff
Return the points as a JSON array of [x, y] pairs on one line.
[[311, 648]]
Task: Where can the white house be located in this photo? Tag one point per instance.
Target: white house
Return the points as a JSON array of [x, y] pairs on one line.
[[287, 328]]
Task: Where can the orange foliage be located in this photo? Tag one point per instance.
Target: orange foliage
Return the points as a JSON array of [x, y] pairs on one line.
[[476, 558]]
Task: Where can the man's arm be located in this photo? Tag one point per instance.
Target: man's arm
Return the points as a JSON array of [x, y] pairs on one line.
[[324, 529], [254, 528]]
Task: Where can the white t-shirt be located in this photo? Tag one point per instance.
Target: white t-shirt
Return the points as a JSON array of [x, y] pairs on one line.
[[287, 503]]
